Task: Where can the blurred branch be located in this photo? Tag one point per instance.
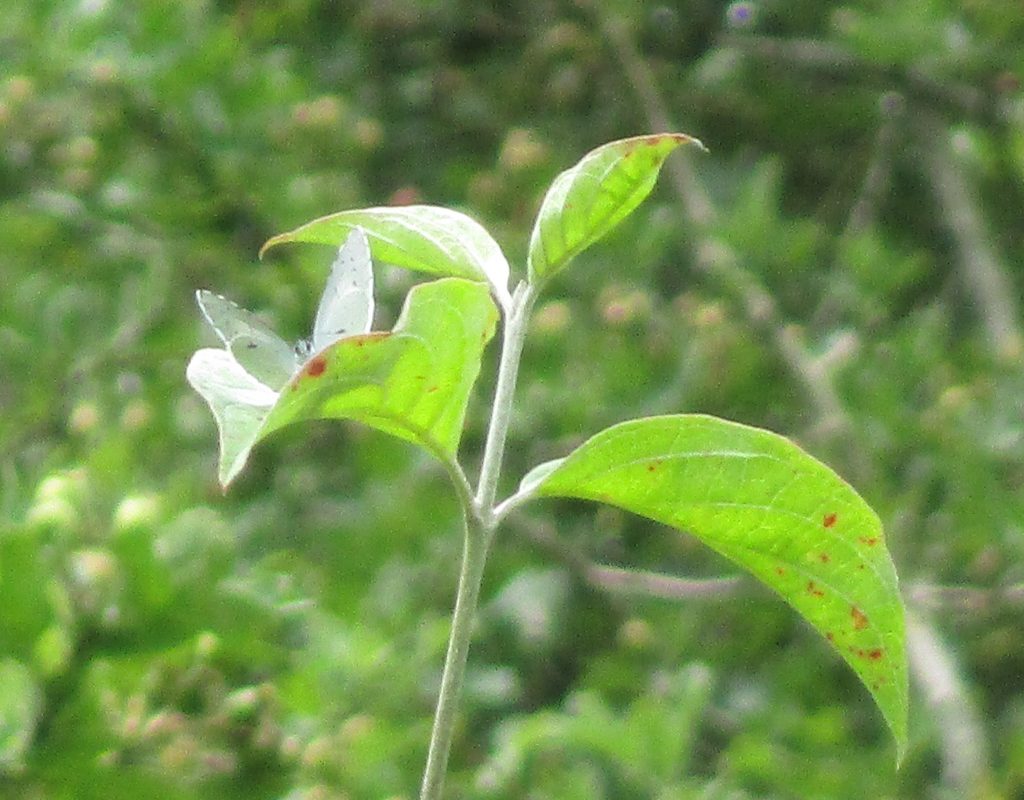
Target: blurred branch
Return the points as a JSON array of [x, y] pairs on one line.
[[619, 580], [828, 60], [876, 179], [965, 598], [959, 729], [983, 273], [865, 208]]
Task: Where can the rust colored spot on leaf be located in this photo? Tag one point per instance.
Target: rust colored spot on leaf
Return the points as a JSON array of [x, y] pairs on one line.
[[870, 541], [432, 389], [653, 465], [830, 636], [829, 519], [824, 558], [860, 620], [875, 654], [814, 589], [316, 367], [780, 571]]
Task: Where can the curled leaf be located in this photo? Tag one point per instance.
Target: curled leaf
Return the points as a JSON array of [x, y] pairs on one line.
[[588, 200]]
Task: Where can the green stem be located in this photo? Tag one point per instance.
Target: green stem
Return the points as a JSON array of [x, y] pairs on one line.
[[501, 413], [479, 522], [474, 557]]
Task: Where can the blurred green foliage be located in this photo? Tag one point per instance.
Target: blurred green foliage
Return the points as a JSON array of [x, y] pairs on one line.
[[866, 177]]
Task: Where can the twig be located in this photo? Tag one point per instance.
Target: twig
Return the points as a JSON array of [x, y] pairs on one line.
[[876, 179], [961, 735], [656, 584], [865, 208], [921, 594], [964, 598], [619, 580], [824, 59], [985, 277]]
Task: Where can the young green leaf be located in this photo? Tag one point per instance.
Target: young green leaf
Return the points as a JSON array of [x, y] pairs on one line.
[[431, 239], [759, 500], [413, 383], [588, 200]]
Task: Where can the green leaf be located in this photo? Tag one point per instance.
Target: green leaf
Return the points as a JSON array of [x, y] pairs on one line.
[[588, 200], [759, 500], [431, 239], [413, 383]]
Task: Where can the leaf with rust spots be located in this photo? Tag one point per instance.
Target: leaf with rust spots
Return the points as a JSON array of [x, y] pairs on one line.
[[377, 378], [759, 500]]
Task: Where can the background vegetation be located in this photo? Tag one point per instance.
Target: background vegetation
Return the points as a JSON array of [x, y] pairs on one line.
[[843, 267]]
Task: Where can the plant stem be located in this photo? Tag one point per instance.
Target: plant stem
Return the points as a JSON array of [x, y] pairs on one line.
[[474, 557], [479, 524], [501, 413]]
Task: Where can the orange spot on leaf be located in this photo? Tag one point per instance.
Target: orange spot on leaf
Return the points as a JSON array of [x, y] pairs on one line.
[[814, 589], [780, 571], [875, 654], [824, 558], [829, 520], [870, 541], [316, 367], [860, 620]]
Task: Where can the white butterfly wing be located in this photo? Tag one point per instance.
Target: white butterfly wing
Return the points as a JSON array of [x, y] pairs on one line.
[[260, 351], [346, 307]]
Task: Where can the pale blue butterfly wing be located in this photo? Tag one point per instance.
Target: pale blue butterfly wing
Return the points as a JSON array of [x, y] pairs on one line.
[[259, 351], [346, 307]]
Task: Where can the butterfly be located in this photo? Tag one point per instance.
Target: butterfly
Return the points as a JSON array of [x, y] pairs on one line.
[[346, 309]]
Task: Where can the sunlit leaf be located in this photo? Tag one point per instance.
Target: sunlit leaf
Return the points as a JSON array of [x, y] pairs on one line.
[[759, 500], [431, 239], [413, 383], [588, 200]]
